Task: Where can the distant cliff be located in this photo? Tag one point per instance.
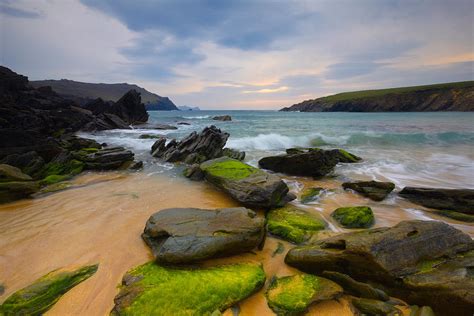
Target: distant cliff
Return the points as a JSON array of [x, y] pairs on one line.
[[456, 96], [83, 92]]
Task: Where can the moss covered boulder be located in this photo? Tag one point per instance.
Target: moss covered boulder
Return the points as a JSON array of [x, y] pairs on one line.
[[40, 296], [462, 217], [151, 289], [354, 216], [310, 195], [10, 173], [292, 295], [422, 262], [293, 224], [14, 190], [371, 307], [459, 200], [248, 185], [374, 190], [184, 235]]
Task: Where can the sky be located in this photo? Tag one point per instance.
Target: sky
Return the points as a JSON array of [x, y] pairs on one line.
[[241, 54]]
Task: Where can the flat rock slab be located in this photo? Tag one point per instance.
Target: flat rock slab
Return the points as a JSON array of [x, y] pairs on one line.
[[183, 235], [374, 190], [40, 296], [460, 200], [292, 295], [151, 289], [422, 262], [246, 184]]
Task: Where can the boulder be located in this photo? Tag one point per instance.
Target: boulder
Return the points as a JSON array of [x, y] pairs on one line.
[[40, 296], [422, 262], [151, 289], [107, 158], [222, 118], [15, 190], [374, 190], [194, 173], [371, 307], [150, 136], [460, 200], [355, 288], [29, 162], [10, 173], [293, 224], [421, 311], [310, 195], [190, 235], [233, 153], [130, 108], [292, 295], [468, 218], [248, 185], [354, 216], [195, 148]]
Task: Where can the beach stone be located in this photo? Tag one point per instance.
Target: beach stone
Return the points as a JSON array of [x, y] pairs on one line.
[[108, 158], [10, 173], [373, 307], [459, 200], [421, 311], [312, 162], [222, 118], [136, 165], [468, 218], [40, 296], [354, 287], [183, 235], [29, 162], [293, 224], [310, 195], [422, 262], [292, 295], [354, 216], [374, 190], [248, 185], [194, 173], [15, 190], [195, 148], [150, 136], [233, 153], [151, 289]]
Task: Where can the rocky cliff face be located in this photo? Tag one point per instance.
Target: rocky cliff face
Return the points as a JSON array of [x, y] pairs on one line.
[[443, 97]]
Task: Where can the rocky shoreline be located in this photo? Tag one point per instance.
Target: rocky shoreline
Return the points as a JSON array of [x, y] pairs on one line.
[[423, 263]]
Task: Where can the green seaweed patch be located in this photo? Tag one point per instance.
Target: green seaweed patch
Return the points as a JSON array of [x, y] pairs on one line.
[[40, 296], [456, 215], [292, 295], [56, 187], [310, 195], [429, 265], [293, 224], [348, 157], [279, 249], [231, 169], [158, 290], [71, 167], [354, 216]]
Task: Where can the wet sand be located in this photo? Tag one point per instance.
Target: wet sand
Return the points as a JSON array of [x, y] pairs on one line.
[[101, 221]]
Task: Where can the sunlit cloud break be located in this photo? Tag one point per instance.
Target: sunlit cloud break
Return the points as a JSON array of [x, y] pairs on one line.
[[280, 89]]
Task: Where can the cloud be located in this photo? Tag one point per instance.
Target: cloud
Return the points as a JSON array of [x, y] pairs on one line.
[[9, 10], [268, 90]]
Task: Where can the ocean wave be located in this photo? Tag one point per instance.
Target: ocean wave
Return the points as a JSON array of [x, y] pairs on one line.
[[201, 117], [276, 141]]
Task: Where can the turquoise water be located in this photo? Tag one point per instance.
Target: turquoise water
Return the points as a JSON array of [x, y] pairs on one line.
[[432, 149]]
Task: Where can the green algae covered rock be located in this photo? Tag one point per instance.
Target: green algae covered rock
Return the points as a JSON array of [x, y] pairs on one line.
[[346, 157], [354, 287], [292, 295], [40, 296], [354, 216], [10, 191], [373, 307], [374, 190], [246, 184], [469, 218], [151, 289], [310, 195], [10, 173], [293, 224]]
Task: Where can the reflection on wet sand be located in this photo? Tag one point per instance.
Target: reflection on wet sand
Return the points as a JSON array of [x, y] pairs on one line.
[[100, 221]]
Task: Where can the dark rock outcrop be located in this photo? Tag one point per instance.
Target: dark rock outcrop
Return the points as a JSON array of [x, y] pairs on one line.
[[456, 96], [188, 234], [233, 153], [374, 190], [459, 200], [248, 185], [312, 162], [130, 108], [422, 262], [195, 148], [224, 118], [107, 159]]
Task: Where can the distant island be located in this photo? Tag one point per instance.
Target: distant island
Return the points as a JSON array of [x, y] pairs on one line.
[[189, 108], [455, 96], [83, 92]]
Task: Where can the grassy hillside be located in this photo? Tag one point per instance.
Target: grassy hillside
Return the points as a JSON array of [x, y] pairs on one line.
[[345, 96], [108, 92]]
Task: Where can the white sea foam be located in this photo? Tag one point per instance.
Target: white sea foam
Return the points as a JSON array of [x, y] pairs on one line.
[[199, 117]]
